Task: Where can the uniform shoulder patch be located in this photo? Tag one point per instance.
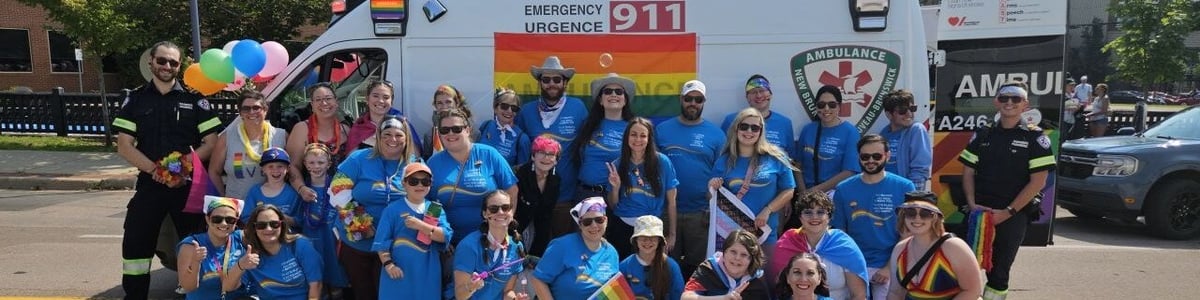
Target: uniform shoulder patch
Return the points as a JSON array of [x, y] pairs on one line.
[[1044, 141], [203, 104]]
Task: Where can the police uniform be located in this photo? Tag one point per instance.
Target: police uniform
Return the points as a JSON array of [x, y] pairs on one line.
[[1004, 159], [160, 124]]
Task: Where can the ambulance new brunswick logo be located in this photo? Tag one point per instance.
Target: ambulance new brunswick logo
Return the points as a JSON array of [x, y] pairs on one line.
[[862, 73]]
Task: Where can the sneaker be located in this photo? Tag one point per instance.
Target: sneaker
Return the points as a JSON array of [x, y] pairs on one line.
[[179, 290]]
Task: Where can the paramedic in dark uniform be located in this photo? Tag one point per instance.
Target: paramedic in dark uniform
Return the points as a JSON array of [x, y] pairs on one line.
[[1004, 167], [156, 119]]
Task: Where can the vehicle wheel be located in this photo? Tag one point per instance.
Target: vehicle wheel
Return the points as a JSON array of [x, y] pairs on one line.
[[1173, 209], [1085, 215]]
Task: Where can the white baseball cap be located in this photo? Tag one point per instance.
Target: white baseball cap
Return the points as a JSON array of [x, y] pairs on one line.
[[692, 85]]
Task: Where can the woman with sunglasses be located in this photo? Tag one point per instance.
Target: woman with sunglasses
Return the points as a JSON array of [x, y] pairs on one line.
[[826, 149], [486, 259], [206, 259], [734, 273], [600, 137], [758, 172], [322, 126], [846, 276], [578, 264], [501, 132], [379, 105], [281, 265], [445, 98], [539, 185], [233, 164], [646, 189], [912, 153], [412, 235], [950, 273], [363, 186], [465, 171]]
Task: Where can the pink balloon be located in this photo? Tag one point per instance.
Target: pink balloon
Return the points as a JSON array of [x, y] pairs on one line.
[[238, 81], [277, 59]]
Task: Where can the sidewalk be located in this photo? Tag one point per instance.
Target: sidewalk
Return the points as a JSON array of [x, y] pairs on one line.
[[55, 170]]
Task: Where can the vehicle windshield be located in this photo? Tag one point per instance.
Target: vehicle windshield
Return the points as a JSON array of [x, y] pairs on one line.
[[1183, 125]]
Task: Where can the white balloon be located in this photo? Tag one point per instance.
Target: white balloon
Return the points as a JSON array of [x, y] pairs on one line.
[[144, 65], [229, 47]]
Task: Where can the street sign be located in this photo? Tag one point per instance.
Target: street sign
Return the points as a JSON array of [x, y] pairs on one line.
[[78, 54]]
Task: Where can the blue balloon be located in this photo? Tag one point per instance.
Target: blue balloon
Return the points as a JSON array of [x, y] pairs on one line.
[[249, 57]]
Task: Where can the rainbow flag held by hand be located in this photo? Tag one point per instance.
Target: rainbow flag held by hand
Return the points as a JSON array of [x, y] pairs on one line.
[[980, 235], [658, 63], [201, 187], [617, 288]]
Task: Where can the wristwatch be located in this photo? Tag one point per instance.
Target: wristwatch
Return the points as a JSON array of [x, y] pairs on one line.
[[1011, 210]]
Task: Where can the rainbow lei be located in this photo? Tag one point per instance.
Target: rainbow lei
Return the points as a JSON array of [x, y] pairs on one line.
[[174, 168], [359, 224], [980, 235]]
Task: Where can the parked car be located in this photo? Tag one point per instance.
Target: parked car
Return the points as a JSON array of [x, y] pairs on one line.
[[1154, 174], [1129, 97]]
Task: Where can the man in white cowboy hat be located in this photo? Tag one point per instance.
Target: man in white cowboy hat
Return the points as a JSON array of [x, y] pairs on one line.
[[557, 116]]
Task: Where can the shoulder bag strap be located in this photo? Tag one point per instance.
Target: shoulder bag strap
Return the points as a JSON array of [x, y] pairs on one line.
[[750, 170], [924, 259], [816, 156]]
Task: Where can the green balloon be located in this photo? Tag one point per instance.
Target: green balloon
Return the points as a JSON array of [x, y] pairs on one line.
[[217, 65]]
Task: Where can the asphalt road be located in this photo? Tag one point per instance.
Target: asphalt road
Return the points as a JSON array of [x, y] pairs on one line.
[[67, 245]]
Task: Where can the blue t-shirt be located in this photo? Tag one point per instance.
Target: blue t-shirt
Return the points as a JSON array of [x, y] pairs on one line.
[[287, 200], [485, 171], [376, 181], [602, 148], [639, 277], [214, 264], [642, 200], [564, 129], [572, 270], [770, 178], [420, 262], [839, 151], [287, 274], [779, 130], [692, 149], [514, 145], [471, 257], [867, 212]]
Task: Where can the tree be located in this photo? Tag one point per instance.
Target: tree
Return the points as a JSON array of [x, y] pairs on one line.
[[1089, 58], [1151, 50]]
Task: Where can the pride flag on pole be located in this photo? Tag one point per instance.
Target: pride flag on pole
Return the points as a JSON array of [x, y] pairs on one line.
[[201, 187], [658, 63], [617, 288]]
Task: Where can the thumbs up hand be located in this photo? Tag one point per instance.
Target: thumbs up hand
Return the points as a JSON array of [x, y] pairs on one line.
[[249, 260], [199, 252]]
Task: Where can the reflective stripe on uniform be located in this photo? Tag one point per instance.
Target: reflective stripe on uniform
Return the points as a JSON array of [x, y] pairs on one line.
[[993, 294], [970, 157], [125, 124], [139, 266], [1041, 161], [210, 124]]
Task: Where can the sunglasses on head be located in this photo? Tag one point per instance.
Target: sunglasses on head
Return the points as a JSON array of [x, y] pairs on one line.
[[413, 181], [549, 80], [827, 104], [252, 108], [814, 213], [613, 91], [694, 99], [217, 220], [508, 107], [497, 208], [163, 61], [870, 156], [911, 212], [267, 224], [1007, 99], [585, 222], [448, 129], [749, 127]]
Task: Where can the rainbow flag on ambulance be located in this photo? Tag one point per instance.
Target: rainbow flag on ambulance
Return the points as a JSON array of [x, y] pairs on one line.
[[658, 63], [617, 288]]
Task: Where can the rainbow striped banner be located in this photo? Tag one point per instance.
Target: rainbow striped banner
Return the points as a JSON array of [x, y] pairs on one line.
[[387, 9], [658, 63], [617, 288]]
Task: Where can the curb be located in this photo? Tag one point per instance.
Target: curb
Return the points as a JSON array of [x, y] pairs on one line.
[[43, 182]]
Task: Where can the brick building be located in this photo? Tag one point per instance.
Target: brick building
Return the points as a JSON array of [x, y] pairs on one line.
[[37, 58]]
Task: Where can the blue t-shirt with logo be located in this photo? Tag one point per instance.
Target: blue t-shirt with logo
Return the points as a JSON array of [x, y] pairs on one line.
[[513, 145], [287, 200], [602, 148], [867, 212], [287, 274], [472, 257], [564, 129], [214, 264], [639, 276], [692, 149], [779, 130], [460, 186], [838, 151], [769, 179], [572, 270], [641, 200], [376, 181]]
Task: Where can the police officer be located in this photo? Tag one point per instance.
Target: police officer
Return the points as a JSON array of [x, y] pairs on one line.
[[1004, 169], [156, 119]]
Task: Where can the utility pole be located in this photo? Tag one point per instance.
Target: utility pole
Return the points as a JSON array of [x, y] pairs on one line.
[[195, 11]]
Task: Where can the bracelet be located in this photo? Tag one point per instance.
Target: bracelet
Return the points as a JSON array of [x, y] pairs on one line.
[[1011, 210], [389, 262], [239, 265]]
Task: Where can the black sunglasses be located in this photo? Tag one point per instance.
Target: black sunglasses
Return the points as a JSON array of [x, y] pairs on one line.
[[163, 61], [448, 129], [694, 99], [749, 127], [826, 104], [264, 225], [613, 91], [509, 107], [902, 111], [549, 80], [497, 208], [251, 108], [217, 220], [588, 221], [910, 212], [411, 181], [870, 156], [1007, 99]]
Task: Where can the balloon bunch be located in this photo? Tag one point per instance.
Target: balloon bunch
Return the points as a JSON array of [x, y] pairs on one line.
[[228, 68]]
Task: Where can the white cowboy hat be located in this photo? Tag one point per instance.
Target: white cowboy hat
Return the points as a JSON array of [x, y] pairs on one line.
[[611, 78], [551, 65]]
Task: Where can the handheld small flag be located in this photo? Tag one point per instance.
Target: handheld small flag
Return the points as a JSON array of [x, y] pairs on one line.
[[980, 235], [617, 288]]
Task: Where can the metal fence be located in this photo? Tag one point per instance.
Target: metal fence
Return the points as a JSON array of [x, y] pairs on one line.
[[65, 113]]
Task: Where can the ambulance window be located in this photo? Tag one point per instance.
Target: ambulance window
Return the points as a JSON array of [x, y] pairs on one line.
[[348, 71]]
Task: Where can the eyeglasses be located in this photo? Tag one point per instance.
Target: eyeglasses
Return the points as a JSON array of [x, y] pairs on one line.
[[448, 129], [217, 220], [870, 156], [911, 212], [413, 181], [324, 99], [497, 208], [252, 108], [749, 127], [694, 99], [549, 80], [613, 91], [903, 111], [826, 104], [265, 225], [814, 213], [163, 61], [1007, 99], [585, 222], [508, 107], [544, 153]]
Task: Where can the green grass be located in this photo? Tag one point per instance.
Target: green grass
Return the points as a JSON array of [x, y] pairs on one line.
[[54, 143]]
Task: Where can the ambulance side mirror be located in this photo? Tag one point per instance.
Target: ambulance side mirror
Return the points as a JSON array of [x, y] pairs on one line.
[[869, 15]]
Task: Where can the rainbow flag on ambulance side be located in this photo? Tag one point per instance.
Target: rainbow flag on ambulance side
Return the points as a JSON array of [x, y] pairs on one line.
[[617, 288], [658, 63]]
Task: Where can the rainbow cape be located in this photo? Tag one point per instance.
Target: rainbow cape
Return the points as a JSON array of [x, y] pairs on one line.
[[980, 234], [615, 289]]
